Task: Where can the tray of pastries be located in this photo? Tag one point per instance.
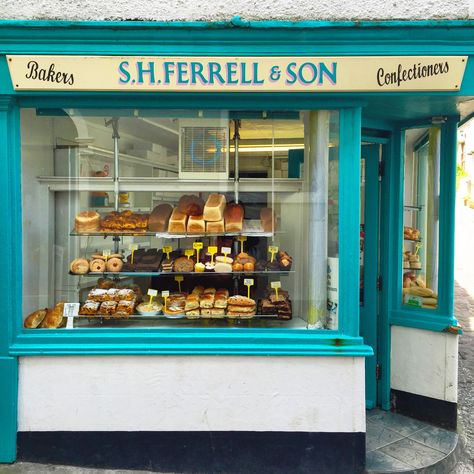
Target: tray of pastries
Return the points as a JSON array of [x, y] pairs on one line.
[[110, 303]]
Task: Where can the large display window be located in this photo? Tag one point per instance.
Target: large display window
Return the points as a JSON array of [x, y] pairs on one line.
[[174, 218]]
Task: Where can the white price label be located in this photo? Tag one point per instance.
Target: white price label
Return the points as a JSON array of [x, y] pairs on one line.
[[226, 250], [152, 292], [165, 293], [71, 310], [248, 281], [275, 284], [133, 247]]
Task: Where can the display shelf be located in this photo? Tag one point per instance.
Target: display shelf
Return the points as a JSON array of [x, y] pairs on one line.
[[157, 274], [166, 235], [163, 317], [413, 269], [412, 208]]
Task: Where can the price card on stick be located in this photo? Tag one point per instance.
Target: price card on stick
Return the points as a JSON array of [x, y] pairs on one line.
[[198, 247], [70, 311], [132, 248], [248, 282], [226, 251], [165, 294], [152, 293], [276, 285], [179, 279], [167, 249], [242, 239], [189, 253], [273, 250], [212, 250]]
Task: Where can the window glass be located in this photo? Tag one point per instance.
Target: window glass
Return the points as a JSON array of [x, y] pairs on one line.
[[421, 218], [117, 204]]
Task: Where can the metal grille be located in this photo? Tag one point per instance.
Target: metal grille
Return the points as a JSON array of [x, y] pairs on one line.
[[204, 149]]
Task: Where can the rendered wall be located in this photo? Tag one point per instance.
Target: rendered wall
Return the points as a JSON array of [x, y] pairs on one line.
[[425, 363], [212, 10], [139, 393]]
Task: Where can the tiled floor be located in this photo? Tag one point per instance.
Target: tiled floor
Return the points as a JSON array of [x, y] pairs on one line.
[[396, 443]]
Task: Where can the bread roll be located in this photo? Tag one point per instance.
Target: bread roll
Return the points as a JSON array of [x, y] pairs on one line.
[[54, 317], [79, 266], [216, 227], [159, 218], [191, 205], [35, 319], [177, 222], [87, 221], [196, 225], [234, 217], [214, 208]]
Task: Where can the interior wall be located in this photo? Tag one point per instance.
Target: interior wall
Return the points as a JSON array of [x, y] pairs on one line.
[[424, 363], [176, 393]]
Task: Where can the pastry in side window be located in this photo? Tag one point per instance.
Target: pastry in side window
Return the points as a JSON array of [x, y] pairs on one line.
[[35, 319], [54, 317]]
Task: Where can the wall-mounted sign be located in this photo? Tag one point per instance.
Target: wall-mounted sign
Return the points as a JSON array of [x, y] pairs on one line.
[[237, 74]]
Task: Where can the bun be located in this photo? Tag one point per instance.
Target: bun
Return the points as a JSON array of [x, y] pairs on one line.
[[35, 319], [191, 205], [97, 265], [234, 217], [87, 221], [114, 265], [249, 267], [159, 218], [214, 208], [79, 266]]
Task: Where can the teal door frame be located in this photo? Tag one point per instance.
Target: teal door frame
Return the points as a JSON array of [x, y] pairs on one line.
[[370, 153]]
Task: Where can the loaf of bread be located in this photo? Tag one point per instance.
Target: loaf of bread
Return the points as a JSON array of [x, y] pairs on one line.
[[234, 217], [159, 218], [267, 219], [196, 225], [87, 221], [191, 205], [239, 300], [35, 319], [216, 227], [177, 223], [214, 208], [54, 317]]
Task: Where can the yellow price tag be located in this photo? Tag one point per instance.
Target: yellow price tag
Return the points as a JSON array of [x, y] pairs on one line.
[[189, 253], [133, 247], [106, 254], [276, 285], [226, 251], [212, 250], [248, 282], [197, 246], [179, 279], [242, 239], [273, 250], [152, 293], [165, 294], [418, 246], [167, 249]]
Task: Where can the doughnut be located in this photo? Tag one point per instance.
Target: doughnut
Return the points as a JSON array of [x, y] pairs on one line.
[[97, 265], [114, 265], [79, 266]]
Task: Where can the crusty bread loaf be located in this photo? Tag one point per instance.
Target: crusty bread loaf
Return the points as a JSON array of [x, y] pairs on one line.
[[191, 205], [234, 217], [87, 221], [177, 222], [214, 208], [196, 225], [239, 300], [35, 319], [216, 227], [159, 218]]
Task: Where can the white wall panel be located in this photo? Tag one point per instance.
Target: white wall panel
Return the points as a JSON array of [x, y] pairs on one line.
[[134, 393], [424, 363]]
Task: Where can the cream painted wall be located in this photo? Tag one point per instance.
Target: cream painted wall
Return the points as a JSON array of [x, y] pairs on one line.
[[425, 363], [141, 393], [212, 10]]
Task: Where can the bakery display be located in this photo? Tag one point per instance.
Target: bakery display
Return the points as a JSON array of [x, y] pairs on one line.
[[87, 221], [214, 207], [159, 218]]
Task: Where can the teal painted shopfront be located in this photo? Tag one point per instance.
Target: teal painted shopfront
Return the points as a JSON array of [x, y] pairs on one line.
[[285, 190]]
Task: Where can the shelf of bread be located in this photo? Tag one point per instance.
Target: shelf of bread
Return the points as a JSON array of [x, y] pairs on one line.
[[199, 274]]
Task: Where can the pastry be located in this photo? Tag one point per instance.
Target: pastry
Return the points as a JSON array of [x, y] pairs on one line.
[[193, 314], [97, 266], [107, 308], [234, 217], [217, 313], [216, 227], [249, 267], [177, 222], [210, 291], [89, 307], [192, 302], [191, 205], [114, 265], [209, 267], [273, 266], [238, 315], [126, 294], [54, 317], [150, 309], [97, 294], [206, 312], [196, 225], [237, 267], [125, 308], [220, 300], [112, 294], [223, 267], [148, 261], [183, 265], [267, 219], [214, 207], [284, 261], [240, 309], [198, 290], [224, 259], [34, 319], [239, 300], [159, 218], [206, 300], [79, 266], [199, 267], [167, 265], [87, 221]]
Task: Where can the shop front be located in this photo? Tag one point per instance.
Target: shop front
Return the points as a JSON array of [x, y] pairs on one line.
[[225, 242]]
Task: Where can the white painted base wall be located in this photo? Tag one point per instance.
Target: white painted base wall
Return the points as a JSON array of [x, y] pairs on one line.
[[425, 363], [141, 393]]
